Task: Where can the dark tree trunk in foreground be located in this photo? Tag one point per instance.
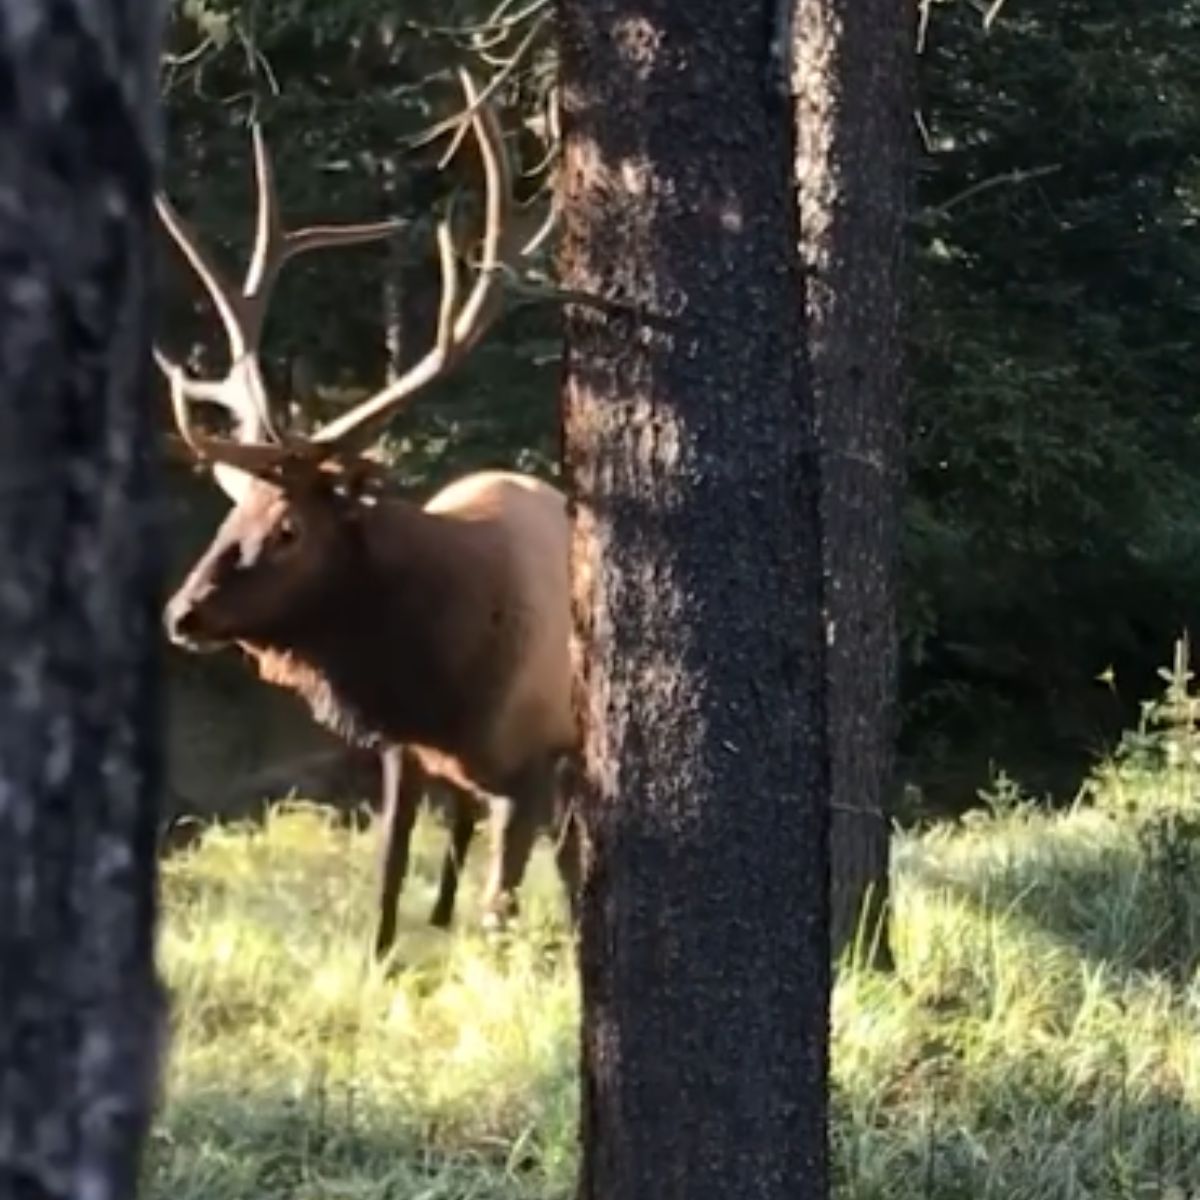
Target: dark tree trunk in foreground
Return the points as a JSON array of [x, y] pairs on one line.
[[80, 1006], [705, 964], [854, 122]]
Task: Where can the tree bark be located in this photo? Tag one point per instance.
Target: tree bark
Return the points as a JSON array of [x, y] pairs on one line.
[[395, 326], [691, 462], [854, 127], [80, 1006]]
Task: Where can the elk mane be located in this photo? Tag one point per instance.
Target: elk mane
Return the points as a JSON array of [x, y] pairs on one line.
[[287, 670]]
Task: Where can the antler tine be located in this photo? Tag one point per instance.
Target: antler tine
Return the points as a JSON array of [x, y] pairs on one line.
[[204, 390], [549, 220], [267, 255], [243, 314], [322, 237], [241, 400], [179, 401], [274, 245], [226, 301], [456, 334], [265, 460], [253, 457], [482, 304], [241, 391]]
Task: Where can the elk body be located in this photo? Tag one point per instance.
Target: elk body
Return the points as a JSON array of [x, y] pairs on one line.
[[437, 634]]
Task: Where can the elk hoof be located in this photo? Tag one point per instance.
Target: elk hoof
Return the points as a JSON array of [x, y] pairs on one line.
[[389, 966], [385, 948], [499, 916]]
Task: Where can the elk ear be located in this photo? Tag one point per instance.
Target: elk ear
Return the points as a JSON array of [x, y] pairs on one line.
[[232, 481]]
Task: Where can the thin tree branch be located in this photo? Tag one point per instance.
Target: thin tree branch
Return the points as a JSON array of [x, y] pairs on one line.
[[1006, 178]]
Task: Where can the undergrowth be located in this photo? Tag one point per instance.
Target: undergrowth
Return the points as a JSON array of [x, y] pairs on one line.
[[1038, 1039]]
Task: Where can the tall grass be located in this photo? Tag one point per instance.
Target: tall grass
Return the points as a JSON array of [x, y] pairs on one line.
[[300, 1069], [1040, 1037]]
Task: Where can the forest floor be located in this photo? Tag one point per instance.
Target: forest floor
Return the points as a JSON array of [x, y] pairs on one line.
[[1040, 1037]]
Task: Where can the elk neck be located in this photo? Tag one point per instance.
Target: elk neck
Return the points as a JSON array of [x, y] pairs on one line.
[[411, 642]]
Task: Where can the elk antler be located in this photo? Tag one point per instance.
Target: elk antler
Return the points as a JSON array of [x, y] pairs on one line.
[[243, 313], [457, 333], [459, 327]]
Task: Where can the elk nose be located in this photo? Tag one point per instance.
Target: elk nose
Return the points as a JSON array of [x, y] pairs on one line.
[[179, 621], [173, 619]]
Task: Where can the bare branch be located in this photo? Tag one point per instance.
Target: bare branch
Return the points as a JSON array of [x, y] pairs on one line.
[[496, 20], [188, 56], [1004, 179]]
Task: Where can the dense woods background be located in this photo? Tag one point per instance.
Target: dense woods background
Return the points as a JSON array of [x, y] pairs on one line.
[[1052, 446], [1037, 1032]]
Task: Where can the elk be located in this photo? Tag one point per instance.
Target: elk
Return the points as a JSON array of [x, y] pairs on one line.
[[436, 634]]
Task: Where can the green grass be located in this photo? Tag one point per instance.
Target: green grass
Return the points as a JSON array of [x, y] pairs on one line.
[[299, 1070], [1041, 1037]]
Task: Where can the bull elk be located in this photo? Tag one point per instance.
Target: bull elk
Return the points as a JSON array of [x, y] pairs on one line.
[[437, 634]]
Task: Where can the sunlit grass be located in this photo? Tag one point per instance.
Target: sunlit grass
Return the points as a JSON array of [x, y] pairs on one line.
[[299, 1068], [1040, 1038]]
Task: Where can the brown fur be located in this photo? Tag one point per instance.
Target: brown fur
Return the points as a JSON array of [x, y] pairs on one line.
[[443, 629]]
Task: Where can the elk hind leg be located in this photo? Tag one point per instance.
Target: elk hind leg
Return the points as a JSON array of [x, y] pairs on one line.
[[525, 807], [568, 858], [464, 810]]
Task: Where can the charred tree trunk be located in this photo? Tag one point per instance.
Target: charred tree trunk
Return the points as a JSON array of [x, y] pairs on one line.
[[80, 1006], [854, 117], [691, 461]]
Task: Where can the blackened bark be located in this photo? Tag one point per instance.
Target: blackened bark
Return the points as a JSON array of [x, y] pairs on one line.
[[80, 1006], [691, 463], [854, 129]]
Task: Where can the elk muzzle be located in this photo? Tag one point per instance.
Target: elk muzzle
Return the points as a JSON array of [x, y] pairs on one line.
[[183, 620]]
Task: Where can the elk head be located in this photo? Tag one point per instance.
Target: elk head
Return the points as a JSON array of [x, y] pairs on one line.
[[299, 502], [272, 558]]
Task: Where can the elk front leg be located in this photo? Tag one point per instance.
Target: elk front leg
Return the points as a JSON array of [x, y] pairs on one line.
[[403, 783], [464, 814]]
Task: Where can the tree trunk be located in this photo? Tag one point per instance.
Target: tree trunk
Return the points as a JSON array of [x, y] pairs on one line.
[[691, 463], [80, 1006], [854, 122], [395, 340]]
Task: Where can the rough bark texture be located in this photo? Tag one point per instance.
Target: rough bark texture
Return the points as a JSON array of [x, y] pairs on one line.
[[691, 462], [80, 1006], [854, 123]]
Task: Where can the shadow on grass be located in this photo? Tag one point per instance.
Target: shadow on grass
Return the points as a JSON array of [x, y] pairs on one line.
[[1102, 1146], [326, 1141]]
